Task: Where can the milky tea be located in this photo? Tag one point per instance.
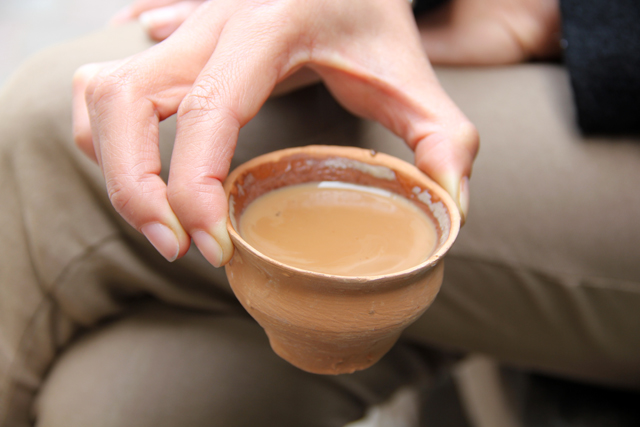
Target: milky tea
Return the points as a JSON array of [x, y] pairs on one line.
[[339, 228]]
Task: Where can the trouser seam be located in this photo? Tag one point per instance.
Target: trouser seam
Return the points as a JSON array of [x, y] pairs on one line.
[[48, 298]]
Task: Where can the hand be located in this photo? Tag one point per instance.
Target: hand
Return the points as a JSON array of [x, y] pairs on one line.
[[217, 70], [160, 18], [491, 32]]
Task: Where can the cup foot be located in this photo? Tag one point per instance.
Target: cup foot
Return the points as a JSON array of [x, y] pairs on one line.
[[330, 357]]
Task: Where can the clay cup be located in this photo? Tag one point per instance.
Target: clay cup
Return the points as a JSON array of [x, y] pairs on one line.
[[324, 323]]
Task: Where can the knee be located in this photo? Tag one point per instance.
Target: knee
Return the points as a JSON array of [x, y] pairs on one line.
[[169, 367], [37, 94], [37, 97]]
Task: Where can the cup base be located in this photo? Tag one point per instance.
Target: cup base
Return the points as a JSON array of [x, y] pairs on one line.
[[330, 358]]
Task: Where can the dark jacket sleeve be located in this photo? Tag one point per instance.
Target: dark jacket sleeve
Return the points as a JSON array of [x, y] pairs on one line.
[[601, 41], [421, 6]]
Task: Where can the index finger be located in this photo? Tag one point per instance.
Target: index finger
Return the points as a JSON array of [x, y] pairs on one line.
[[227, 94]]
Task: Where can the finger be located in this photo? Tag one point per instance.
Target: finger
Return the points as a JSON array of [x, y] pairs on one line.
[[125, 127], [444, 141], [125, 107], [226, 95], [80, 114], [447, 157], [160, 23]]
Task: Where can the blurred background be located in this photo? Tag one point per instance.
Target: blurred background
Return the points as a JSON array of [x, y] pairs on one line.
[[27, 26]]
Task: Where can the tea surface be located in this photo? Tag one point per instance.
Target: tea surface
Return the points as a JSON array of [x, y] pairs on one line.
[[339, 228]]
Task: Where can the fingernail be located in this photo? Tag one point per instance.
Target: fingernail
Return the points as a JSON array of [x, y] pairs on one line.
[[463, 199], [157, 17], [121, 16], [216, 246], [458, 189], [221, 235], [451, 183], [208, 247], [163, 239]]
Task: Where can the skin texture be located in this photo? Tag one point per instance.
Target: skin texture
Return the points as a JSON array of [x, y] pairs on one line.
[[285, 44]]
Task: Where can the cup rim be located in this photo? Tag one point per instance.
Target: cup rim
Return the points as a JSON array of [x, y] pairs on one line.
[[354, 153]]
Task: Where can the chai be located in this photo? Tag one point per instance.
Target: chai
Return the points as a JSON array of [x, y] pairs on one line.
[[339, 228]]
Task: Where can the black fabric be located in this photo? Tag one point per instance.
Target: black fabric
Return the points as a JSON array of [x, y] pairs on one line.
[[555, 402], [421, 6], [602, 53]]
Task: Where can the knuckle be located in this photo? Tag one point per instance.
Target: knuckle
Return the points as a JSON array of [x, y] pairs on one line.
[[210, 99], [461, 140], [120, 194], [102, 89], [186, 192], [125, 193], [190, 198], [202, 100], [108, 85]]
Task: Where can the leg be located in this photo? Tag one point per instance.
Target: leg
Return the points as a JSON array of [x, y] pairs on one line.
[[164, 366], [67, 260], [545, 273]]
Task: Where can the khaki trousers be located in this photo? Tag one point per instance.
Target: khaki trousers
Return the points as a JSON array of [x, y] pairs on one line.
[[96, 329]]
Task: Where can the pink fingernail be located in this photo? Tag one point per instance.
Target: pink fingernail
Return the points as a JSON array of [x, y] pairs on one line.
[[163, 239], [208, 246]]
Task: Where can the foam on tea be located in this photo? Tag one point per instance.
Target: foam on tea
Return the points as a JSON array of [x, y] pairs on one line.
[[339, 228]]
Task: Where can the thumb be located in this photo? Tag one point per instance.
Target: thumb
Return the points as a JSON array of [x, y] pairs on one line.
[[445, 142], [447, 157], [383, 74]]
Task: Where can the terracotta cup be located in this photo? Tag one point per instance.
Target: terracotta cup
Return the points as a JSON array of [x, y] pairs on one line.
[[323, 323]]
